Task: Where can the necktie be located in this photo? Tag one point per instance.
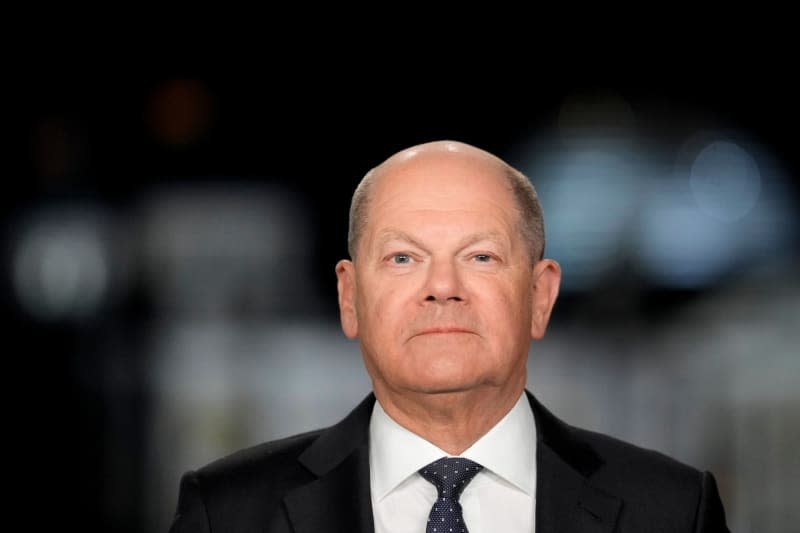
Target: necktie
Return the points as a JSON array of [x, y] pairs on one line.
[[450, 475]]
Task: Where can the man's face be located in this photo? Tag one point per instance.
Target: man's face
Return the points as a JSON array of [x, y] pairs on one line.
[[442, 294]]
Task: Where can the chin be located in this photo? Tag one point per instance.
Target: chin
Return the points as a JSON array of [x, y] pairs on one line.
[[444, 384], [445, 369], [446, 389]]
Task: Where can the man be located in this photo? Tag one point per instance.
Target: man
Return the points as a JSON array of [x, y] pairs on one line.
[[445, 289]]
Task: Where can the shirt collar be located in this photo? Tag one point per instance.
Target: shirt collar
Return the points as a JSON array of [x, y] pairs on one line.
[[508, 450]]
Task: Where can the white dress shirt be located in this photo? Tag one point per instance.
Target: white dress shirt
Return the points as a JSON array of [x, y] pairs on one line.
[[501, 497]]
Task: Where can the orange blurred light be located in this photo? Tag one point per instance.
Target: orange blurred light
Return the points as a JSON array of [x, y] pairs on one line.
[[179, 112]]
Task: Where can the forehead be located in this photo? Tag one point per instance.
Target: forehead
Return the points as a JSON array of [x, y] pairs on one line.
[[441, 181]]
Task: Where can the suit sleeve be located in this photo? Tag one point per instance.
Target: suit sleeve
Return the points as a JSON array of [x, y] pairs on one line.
[[710, 516], [191, 515]]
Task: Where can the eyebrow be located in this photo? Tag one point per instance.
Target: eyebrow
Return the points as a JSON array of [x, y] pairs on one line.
[[399, 235]]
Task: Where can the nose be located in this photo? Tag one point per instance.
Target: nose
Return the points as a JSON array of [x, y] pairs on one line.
[[443, 282]]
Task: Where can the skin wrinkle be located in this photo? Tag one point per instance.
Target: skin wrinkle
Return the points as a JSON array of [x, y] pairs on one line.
[[442, 206], [388, 236]]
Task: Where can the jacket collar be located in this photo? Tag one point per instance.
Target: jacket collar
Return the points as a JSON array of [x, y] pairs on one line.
[[566, 499], [339, 499]]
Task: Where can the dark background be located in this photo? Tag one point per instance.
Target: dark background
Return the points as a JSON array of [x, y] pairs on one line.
[[103, 135]]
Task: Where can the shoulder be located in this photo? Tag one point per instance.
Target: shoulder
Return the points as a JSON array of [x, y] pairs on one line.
[[242, 489], [619, 466], [270, 466], [652, 489], [655, 488], [625, 459], [265, 473]]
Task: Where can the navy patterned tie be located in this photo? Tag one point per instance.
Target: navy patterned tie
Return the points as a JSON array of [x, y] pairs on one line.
[[450, 475]]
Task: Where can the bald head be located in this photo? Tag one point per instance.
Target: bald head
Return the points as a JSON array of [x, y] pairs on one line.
[[529, 212]]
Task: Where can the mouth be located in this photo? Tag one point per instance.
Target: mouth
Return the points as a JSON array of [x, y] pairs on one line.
[[442, 330]]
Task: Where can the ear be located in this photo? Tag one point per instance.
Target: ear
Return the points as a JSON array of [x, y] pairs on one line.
[[544, 291], [346, 285]]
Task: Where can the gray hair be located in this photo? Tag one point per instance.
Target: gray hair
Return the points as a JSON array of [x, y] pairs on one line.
[[531, 220]]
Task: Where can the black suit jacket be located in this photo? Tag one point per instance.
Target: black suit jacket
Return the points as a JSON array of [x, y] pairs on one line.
[[319, 482]]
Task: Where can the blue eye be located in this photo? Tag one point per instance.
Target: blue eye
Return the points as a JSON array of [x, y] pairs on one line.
[[482, 258], [401, 259]]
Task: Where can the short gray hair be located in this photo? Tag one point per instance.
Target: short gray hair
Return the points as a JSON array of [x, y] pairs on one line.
[[529, 210]]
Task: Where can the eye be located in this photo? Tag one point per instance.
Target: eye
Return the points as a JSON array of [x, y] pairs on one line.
[[482, 258], [400, 259]]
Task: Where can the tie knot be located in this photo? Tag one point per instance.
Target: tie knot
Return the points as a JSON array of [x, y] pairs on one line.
[[450, 475]]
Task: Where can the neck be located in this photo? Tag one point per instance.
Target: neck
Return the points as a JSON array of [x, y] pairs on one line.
[[453, 421]]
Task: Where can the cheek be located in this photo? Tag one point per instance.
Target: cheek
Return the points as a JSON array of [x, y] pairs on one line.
[[381, 310], [509, 314]]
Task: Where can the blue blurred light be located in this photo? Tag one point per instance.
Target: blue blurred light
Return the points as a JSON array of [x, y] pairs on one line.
[[606, 210], [725, 181], [61, 264], [719, 214], [589, 196], [680, 246]]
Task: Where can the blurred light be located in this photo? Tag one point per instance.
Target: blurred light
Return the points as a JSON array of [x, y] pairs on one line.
[[717, 214], [590, 198], [588, 178], [680, 246], [180, 111], [725, 181], [723, 207], [227, 249], [589, 205], [61, 265]]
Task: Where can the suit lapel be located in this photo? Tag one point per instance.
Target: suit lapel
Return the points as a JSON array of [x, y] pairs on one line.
[[339, 499], [566, 500]]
